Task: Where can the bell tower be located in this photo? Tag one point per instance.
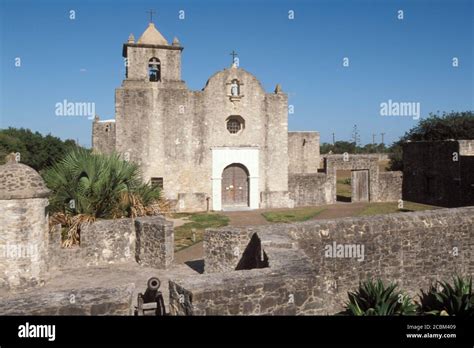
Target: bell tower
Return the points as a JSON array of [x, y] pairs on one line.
[[151, 58]]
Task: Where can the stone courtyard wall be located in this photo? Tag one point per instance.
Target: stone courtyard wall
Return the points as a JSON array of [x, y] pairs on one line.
[[113, 300], [146, 240], [320, 188], [412, 249], [439, 172], [390, 186], [311, 189]]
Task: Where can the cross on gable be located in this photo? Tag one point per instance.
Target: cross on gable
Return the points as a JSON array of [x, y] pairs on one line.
[[151, 12]]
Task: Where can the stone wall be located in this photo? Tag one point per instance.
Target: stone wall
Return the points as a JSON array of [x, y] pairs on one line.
[[281, 281], [320, 188], [311, 189], [390, 186], [438, 173], [147, 240], [88, 301], [303, 152], [103, 136], [23, 242], [275, 199], [412, 249], [154, 241]]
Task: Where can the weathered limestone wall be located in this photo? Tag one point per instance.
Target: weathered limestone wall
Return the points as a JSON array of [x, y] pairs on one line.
[[303, 152], [146, 240], [438, 173], [390, 186], [466, 147], [103, 136], [23, 242], [224, 248], [311, 189], [154, 241], [251, 292], [412, 249], [286, 287], [108, 241], [23, 226], [320, 188], [89, 301]]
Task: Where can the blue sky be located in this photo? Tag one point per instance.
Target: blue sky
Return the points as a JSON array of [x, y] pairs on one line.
[[407, 60]]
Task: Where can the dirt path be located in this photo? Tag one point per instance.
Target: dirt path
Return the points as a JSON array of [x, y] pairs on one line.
[[246, 218]]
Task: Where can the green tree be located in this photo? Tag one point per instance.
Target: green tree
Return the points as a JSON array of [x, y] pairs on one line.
[[453, 125], [36, 150]]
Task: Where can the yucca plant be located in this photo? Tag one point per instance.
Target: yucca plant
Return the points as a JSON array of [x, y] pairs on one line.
[[374, 298], [87, 186], [443, 298]]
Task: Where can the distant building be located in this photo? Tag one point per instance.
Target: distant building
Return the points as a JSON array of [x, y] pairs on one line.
[[439, 172]]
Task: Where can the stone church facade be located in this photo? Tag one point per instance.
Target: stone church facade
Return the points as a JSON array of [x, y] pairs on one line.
[[225, 146]]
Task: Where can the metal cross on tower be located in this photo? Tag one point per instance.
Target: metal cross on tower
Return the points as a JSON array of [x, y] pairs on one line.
[[151, 12], [233, 54]]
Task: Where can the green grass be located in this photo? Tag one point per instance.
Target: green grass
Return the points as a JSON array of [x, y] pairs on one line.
[[343, 187], [293, 215], [183, 235], [392, 207]]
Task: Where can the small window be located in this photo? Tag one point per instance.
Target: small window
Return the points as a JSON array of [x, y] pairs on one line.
[[235, 124], [157, 182], [154, 69]]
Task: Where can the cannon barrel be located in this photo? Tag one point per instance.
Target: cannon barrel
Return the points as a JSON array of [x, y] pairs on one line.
[[151, 292]]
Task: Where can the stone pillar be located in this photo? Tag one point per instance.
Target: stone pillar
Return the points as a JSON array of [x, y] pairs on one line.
[[23, 227], [154, 241]]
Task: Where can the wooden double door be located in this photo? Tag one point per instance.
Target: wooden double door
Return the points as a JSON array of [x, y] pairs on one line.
[[235, 185]]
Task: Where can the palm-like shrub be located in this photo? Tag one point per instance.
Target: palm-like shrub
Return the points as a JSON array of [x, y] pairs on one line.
[[374, 298], [87, 186], [447, 299]]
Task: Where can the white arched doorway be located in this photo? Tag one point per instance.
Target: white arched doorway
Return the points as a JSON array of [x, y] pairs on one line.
[[235, 178]]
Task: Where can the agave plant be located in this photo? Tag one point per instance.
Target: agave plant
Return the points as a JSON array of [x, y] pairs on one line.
[[87, 186], [374, 298], [446, 299]]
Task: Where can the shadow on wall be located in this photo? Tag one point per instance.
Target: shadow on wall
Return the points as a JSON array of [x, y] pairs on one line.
[[254, 256]]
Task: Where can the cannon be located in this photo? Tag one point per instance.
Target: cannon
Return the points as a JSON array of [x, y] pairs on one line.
[[152, 300]]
